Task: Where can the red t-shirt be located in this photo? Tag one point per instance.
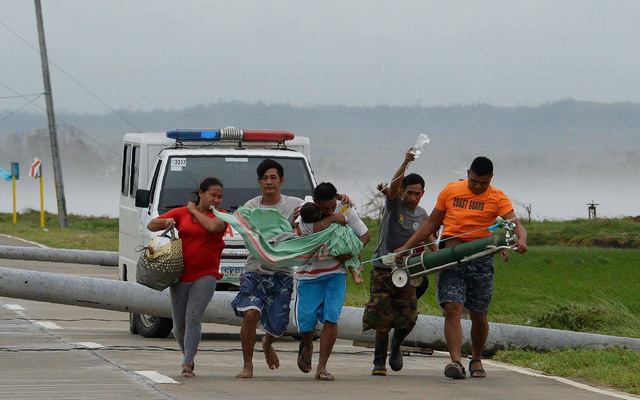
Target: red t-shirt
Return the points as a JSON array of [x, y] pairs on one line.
[[201, 249]]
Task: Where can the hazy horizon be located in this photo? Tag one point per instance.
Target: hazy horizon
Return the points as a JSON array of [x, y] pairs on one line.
[[557, 158]]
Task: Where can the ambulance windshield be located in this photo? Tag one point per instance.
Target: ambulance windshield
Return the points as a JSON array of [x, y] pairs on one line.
[[238, 175]]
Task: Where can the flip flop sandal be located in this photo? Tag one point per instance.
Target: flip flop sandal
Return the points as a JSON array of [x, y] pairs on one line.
[[188, 373], [455, 371], [325, 376]]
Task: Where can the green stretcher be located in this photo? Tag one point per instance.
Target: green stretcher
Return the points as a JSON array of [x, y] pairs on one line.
[[429, 263]]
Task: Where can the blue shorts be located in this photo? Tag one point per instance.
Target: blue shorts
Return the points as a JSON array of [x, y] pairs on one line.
[[319, 299], [270, 295], [469, 284]]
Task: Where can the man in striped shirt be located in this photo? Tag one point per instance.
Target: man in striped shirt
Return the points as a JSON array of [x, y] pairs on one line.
[[321, 285]]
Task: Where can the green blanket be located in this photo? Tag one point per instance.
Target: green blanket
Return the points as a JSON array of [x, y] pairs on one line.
[[260, 228]]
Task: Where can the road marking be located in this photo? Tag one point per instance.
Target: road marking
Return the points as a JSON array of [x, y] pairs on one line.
[[24, 240], [47, 324], [559, 379], [157, 377], [90, 345], [14, 307]]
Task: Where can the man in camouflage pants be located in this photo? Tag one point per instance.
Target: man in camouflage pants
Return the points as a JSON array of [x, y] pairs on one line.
[[390, 306]]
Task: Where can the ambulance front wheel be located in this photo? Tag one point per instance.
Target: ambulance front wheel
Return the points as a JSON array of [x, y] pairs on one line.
[[150, 326]]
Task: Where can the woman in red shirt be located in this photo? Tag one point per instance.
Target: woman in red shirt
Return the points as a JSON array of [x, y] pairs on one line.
[[201, 233]]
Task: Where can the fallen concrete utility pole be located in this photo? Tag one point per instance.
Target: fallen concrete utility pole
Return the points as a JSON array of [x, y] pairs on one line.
[[93, 257], [131, 297]]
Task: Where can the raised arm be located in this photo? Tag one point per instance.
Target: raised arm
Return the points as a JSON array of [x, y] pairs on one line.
[[396, 181], [211, 225]]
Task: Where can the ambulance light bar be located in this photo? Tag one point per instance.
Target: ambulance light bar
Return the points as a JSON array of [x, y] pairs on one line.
[[230, 133]]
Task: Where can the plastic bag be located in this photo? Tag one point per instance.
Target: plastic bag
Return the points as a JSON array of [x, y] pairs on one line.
[[159, 242]]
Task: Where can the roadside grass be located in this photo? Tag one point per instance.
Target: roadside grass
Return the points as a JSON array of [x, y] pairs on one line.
[[586, 289], [616, 367], [85, 233]]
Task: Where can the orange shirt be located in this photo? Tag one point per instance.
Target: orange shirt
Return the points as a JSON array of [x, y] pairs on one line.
[[466, 212]]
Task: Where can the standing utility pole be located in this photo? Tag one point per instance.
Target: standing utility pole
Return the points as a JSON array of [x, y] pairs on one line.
[[57, 167]]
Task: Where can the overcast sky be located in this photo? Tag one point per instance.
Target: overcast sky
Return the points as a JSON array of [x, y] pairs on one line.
[[144, 55]]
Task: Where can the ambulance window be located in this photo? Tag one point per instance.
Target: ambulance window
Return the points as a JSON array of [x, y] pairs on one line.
[[154, 181], [135, 165], [124, 183]]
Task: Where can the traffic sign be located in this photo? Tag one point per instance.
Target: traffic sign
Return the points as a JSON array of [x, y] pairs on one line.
[[36, 168], [5, 175], [15, 170]]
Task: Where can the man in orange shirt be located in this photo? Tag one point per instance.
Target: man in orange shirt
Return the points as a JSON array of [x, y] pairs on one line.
[[466, 209]]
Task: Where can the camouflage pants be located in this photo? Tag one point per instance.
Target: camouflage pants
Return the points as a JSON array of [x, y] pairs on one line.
[[389, 306]]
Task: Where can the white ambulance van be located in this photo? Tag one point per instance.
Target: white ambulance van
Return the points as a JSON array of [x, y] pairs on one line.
[[161, 170]]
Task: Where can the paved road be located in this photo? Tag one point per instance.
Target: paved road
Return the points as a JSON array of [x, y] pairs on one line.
[[55, 351]]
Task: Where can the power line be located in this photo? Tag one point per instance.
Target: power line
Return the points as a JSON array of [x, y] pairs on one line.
[[67, 124], [72, 78], [19, 96], [26, 104]]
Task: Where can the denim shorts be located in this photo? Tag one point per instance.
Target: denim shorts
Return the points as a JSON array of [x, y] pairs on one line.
[[268, 294], [469, 284]]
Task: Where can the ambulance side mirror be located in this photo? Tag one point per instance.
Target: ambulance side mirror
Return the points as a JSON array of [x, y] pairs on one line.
[[142, 198]]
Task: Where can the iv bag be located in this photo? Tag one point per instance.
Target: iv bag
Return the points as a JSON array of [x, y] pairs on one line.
[[421, 143]]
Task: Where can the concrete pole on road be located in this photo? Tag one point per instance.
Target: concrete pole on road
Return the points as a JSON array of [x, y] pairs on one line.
[[131, 297], [57, 167]]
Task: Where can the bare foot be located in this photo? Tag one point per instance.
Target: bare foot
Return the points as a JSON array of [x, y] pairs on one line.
[[247, 372], [304, 358], [270, 355]]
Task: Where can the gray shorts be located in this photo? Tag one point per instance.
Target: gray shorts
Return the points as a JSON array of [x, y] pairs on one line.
[[469, 284]]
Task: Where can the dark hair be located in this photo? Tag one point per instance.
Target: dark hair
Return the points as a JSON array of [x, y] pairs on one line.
[[412, 179], [266, 165], [325, 191], [309, 212], [204, 186], [482, 166]]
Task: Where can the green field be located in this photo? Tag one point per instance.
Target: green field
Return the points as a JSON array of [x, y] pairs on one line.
[[580, 275], [88, 233]]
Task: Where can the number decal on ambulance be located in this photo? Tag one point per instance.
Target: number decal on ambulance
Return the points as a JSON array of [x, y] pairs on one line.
[[178, 163]]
